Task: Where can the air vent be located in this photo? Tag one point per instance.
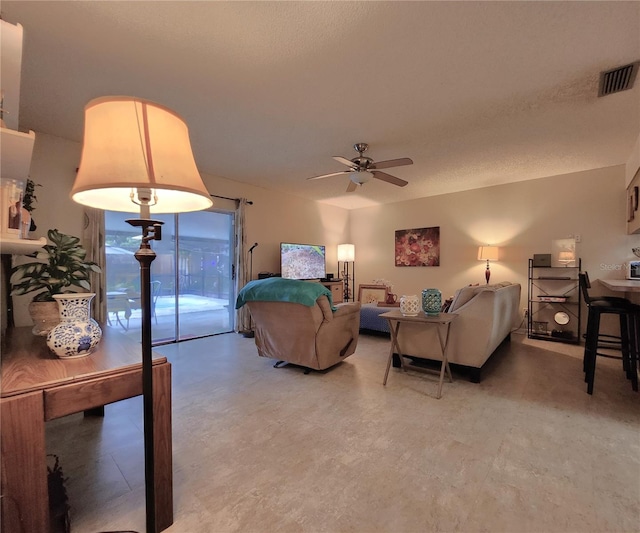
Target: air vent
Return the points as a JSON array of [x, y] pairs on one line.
[[618, 79]]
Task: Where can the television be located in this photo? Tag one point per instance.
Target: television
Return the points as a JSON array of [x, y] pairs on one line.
[[302, 261]]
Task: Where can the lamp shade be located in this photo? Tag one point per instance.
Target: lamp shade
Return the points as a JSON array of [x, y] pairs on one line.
[[346, 252], [566, 256], [130, 144], [487, 253]]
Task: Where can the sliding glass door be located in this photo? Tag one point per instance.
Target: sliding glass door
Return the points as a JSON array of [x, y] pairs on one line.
[[192, 287]]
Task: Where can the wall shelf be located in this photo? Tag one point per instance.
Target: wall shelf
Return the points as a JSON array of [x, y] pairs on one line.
[[16, 148], [21, 246]]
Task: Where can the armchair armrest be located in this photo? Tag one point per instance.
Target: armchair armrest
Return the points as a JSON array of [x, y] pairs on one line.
[[346, 309], [343, 309]]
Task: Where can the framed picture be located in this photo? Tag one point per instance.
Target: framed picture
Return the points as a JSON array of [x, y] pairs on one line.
[[540, 328], [563, 253], [368, 294], [418, 247]]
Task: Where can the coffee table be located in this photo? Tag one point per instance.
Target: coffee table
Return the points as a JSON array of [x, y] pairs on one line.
[[441, 322]]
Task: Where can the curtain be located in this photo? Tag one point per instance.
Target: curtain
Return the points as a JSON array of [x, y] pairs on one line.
[[93, 242], [243, 320]]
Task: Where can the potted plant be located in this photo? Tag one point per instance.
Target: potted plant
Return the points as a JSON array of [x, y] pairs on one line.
[[27, 204], [61, 267]]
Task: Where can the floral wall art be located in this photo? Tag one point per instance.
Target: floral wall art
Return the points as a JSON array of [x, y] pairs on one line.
[[418, 247]]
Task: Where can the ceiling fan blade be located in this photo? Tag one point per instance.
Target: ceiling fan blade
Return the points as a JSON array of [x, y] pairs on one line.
[[343, 160], [392, 163], [389, 178], [329, 175], [352, 186]]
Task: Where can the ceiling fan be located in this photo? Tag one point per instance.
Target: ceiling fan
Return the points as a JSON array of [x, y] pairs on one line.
[[363, 168]]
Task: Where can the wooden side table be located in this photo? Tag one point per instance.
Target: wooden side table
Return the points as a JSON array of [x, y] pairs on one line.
[[337, 290], [37, 386], [441, 322]]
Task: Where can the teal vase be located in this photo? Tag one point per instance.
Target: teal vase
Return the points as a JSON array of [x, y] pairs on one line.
[[431, 301]]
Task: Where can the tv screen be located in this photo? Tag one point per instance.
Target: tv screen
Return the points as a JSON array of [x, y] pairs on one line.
[[302, 261]]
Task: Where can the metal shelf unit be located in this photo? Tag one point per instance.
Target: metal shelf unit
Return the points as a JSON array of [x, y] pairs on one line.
[[554, 303]]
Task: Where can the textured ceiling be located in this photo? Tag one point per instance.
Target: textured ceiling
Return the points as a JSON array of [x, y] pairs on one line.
[[476, 93]]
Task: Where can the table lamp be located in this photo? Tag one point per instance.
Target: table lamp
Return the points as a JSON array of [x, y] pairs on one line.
[[487, 253], [566, 256], [137, 153]]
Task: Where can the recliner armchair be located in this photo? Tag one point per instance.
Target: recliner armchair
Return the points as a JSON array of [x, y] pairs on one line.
[[313, 336]]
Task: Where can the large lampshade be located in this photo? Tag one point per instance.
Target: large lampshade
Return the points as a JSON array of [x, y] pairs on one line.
[[346, 252], [133, 145], [488, 253]]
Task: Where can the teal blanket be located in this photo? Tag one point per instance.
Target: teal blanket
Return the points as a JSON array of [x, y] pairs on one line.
[[283, 290]]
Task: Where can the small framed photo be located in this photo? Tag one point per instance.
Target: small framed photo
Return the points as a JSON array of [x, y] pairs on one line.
[[368, 294], [540, 328]]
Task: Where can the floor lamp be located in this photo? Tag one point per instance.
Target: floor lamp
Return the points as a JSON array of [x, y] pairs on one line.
[[346, 255], [137, 153]]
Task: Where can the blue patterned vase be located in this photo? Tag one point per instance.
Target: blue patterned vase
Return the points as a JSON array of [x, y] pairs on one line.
[[77, 334], [431, 301]]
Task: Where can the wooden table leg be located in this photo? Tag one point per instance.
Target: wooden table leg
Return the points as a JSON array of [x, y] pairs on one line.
[[25, 496], [163, 447], [394, 343], [444, 342]]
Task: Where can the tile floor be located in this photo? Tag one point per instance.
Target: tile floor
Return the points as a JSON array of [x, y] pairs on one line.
[[258, 449]]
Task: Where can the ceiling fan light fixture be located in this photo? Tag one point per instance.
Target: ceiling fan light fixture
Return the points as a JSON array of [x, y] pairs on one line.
[[360, 176]]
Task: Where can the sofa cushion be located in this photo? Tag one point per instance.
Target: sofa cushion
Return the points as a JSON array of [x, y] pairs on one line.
[[462, 296], [465, 294]]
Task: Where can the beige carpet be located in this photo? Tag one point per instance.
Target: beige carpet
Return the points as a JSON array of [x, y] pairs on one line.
[[258, 449]]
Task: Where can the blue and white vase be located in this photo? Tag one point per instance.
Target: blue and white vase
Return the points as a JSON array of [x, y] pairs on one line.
[[431, 301], [77, 334]]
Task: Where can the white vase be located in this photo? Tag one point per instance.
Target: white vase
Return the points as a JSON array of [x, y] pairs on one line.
[[409, 305], [77, 334]]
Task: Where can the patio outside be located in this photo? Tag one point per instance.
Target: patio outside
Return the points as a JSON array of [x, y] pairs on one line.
[[199, 316]]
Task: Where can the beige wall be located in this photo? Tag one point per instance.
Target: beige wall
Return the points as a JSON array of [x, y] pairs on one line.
[[273, 217], [522, 218]]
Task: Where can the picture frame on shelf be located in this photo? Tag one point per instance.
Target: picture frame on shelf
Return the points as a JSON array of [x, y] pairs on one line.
[[368, 294], [540, 328]]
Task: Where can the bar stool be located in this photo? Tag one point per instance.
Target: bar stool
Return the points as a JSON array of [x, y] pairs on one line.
[[604, 340], [627, 342], [634, 349]]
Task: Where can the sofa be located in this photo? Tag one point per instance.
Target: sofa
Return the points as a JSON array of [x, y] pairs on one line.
[[296, 322], [486, 316]]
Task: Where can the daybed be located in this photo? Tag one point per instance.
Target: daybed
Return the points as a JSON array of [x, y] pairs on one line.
[[486, 316]]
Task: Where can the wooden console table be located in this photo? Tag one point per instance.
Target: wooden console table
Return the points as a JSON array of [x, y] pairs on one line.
[[396, 318], [37, 386]]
